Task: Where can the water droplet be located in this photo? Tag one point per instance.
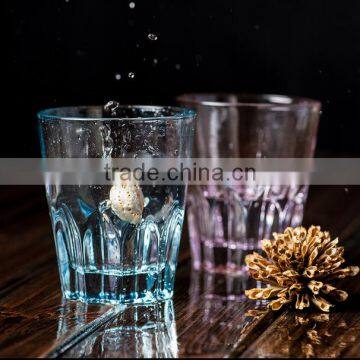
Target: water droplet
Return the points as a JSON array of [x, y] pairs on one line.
[[198, 59], [155, 61], [111, 107], [152, 37], [131, 75], [346, 190], [132, 5], [177, 66], [256, 27], [117, 76]]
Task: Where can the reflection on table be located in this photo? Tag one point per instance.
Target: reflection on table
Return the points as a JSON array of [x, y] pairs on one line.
[[136, 331]]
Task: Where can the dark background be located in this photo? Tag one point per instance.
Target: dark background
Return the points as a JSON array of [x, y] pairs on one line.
[[69, 52]]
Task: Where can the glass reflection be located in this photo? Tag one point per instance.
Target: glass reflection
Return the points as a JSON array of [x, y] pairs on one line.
[[73, 317], [217, 309], [307, 335], [144, 331], [219, 286]]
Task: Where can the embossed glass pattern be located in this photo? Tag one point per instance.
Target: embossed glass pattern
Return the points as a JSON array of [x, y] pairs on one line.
[[226, 223], [108, 251]]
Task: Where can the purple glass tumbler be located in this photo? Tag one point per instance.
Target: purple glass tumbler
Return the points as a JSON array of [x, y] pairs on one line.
[[228, 222]]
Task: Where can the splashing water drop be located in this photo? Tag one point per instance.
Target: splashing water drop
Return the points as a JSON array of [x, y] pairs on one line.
[[152, 37], [131, 75], [132, 5], [111, 107]]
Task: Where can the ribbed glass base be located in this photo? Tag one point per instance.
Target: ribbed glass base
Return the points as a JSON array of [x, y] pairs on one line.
[[110, 287]]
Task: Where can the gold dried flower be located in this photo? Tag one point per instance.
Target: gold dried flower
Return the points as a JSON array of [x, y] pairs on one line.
[[300, 267]]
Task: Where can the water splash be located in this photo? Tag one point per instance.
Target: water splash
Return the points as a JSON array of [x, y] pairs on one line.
[[131, 75], [111, 108], [152, 37]]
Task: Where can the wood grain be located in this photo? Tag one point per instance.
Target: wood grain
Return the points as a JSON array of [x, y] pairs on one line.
[[207, 317]]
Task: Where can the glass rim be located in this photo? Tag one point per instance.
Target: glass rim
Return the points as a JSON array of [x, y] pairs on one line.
[[257, 101], [179, 113]]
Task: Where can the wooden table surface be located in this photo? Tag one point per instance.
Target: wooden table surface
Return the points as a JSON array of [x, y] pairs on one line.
[[205, 319]]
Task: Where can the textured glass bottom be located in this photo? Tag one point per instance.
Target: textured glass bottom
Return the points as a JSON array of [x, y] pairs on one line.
[[103, 259], [226, 224], [102, 287]]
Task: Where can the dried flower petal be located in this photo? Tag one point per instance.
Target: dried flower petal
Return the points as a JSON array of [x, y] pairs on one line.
[[339, 295], [342, 273], [354, 270], [315, 286], [277, 304], [291, 273], [321, 303], [326, 288], [302, 301], [311, 272], [313, 256], [298, 267], [262, 294]]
